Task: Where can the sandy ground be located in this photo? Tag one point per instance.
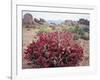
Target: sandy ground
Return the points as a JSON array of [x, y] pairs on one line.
[[85, 45], [28, 37]]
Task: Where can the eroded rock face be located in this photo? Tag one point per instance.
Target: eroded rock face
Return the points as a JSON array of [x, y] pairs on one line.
[[42, 20], [70, 22], [84, 21], [28, 20], [39, 21], [36, 20]]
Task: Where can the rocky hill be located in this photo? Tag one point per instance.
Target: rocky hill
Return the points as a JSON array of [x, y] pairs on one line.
[[29, 21]]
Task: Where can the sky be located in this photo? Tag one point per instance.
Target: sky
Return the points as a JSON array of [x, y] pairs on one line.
[[57, 16]]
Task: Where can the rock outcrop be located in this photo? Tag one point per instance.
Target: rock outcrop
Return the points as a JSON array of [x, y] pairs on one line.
[[29, 21]]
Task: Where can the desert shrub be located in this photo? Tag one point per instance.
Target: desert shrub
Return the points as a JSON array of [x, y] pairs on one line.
[[44, 29], [85, 36], [79, 32], [65, 27], [86, 29], [76, 37], [55, 49]]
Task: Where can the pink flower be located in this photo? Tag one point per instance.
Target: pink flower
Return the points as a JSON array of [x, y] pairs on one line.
[[55, 49]]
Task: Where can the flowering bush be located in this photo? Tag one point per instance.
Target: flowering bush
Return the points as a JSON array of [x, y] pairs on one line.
[[55, 49]]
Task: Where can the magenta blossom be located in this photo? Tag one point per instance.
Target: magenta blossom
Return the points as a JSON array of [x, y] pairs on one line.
[[55, 49]]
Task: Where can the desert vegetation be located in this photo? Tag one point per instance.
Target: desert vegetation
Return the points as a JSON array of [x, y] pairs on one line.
[[51, 44]]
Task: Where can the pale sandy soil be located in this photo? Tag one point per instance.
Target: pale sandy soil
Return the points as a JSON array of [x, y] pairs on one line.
[[85, 45], [28, 37]]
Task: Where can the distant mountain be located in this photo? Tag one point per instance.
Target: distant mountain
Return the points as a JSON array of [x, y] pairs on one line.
[[55, 21]]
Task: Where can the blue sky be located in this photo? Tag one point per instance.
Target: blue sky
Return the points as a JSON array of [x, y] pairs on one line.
[[57, 16]]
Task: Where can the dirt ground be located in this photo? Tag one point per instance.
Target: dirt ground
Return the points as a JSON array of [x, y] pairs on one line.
[[28, 35], [85, 45]]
